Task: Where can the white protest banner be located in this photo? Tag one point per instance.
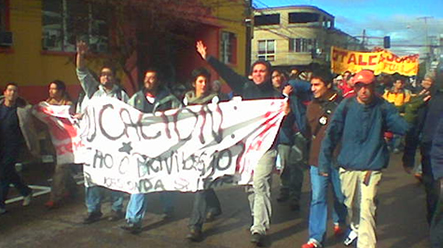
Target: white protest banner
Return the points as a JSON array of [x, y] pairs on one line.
[[61, 129], [182, 149]]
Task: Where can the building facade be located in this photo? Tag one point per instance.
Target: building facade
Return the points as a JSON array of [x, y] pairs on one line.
[[38, 38], [297, 36]]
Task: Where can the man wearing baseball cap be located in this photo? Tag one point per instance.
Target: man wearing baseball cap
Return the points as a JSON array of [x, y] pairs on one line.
[[358, 124]]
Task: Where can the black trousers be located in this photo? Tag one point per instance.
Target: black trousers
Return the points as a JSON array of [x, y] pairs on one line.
[[9, 175]]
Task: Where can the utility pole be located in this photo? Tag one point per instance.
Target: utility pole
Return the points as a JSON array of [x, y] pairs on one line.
[[428, 45], [363, 39]]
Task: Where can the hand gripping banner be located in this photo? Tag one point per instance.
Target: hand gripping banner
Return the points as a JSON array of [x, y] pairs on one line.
[[184, 149]]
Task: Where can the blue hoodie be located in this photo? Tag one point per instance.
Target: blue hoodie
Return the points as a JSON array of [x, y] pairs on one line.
[[360, 128]]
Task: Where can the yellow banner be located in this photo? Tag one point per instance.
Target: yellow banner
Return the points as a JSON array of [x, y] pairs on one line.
[[379, 61]]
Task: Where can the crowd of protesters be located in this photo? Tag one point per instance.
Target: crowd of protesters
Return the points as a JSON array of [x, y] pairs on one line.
[[342, 128]]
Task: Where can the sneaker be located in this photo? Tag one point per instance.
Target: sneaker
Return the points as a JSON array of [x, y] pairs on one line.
[[133, 228], [27, 199], [257, 238], [352, 236], [51, 205], [194, 235], [116, 215], [92, 217], [338, 231], [419, 177], [311, 244]]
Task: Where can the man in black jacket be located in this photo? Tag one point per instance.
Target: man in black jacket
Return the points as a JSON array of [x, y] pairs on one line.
[[259, 88]]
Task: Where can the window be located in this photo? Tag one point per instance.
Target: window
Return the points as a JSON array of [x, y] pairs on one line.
[[302, 45], [262, 20], [65, 21], [266, 50], [300, 17], [228, 47], [4, 15]]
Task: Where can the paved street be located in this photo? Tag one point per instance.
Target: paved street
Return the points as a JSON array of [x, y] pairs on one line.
[[401, 221]]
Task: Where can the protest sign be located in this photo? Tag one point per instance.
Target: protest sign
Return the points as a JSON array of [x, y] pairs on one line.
[[61, 129], [379, 61], [182, 149]]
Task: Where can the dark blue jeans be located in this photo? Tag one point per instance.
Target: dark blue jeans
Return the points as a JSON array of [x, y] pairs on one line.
[[436, 229], [8, 174], [205, 201]]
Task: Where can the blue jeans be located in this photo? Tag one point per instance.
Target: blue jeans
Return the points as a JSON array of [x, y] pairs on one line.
[[138, 204], [318, 214], [94, 195]]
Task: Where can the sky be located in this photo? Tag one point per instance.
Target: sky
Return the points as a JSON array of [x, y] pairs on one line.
[[402, 20]]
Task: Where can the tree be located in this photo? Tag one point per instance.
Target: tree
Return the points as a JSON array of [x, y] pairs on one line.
[[134, 24]]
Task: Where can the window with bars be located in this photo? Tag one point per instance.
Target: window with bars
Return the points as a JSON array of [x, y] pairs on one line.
[[66, 21], [228, 47], [302, 45], [266, 50]]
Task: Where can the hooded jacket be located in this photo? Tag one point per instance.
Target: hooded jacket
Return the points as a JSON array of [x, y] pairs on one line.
[[164, 100], [93, 88]]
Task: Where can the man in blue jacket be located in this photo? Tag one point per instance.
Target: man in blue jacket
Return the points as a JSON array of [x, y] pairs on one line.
[[359, 124]]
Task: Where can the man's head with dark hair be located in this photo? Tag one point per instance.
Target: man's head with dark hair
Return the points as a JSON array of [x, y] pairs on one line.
[[10, 83], [324, 75], [321, 82], [261, 71], [200, 81], [200, 72], [278, 78], [10, 93], [151, 80], [60, 84], [57, 90], [108, 76]]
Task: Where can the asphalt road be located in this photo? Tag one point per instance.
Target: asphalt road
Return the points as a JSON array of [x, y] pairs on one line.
[[400, 221]]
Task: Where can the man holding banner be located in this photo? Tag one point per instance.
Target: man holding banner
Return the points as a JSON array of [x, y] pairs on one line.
[[93, 89], [259, 195], [151, 98]]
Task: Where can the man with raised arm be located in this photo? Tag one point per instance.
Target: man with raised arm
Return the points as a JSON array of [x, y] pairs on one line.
[[259, 87], [106, 86]]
